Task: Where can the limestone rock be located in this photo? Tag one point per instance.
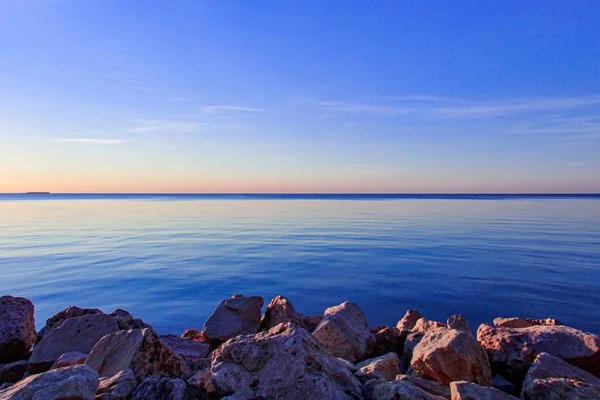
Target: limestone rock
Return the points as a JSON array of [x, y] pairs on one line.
[[117, 387], [517, 322], [193, 353], [17, 328], [459, 322], [76, 382], [13, 371], [74, 334], [60, 317], [447, 355], [427, 385], [235, 316], [407, 323], [561, 389], [402, 389], [383, 367], [163, 389], [68, 359], [462, 390], [140, 350], [344, 332], [285, 362]]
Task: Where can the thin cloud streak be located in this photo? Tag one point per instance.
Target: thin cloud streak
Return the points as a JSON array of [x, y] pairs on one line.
[[91, 141], [220, 109], [158, 126]]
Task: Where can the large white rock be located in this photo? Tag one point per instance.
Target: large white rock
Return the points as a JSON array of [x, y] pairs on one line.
[[17, 328]]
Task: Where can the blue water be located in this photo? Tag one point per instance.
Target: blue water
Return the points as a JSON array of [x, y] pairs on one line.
[[170, 259]]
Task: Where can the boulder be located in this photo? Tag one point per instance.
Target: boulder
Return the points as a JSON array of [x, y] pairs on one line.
[[163, 389], [60, 317], [117, 387], [462, 390], [513, 350], [344, 332], [459, 322], [74, 334], [407, 323], [412, 340], [281, 310], [17, 328], [126, 321], [285, 362], [76, 382], [402, 389], [383, 367], [517, 322], [195, 354], [561, 389], [424, 325], [368, 389], [387, 340], [235, 316], [140, 350], [68, 359], [202, 384], [427, 385], [192, 334], [447, 355], [13, 371]]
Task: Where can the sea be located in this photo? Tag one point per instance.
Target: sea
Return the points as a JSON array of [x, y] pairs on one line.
[[170, 259]]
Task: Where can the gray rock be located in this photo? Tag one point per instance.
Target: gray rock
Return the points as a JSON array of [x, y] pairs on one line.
[[78, 382], [17, 328], [462, 390], [402, 389], [140, 350], [123, 318], [117, 387], [235, 316], [383, 367], [60, 317], [193, 353], [427, 385], [70, 358], [163, 389], [368, 389], [561, 389], [74, 334], [13, 372], [407, 323]]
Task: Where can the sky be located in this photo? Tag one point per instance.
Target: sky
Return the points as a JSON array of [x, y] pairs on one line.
[[300, 96]]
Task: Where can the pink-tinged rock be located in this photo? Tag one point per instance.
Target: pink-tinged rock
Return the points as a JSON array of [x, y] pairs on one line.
[[409, 345], [163, 389], [69, 358], [344, 332], [193, 353], [202, 384], [74, 334], [140, 350], [17, 328], [459, 322], [312, 321], [60, 317], [387, 340], [117, 387], [281, 310], [424, 325], [407, 323], [427, 385], [463, 390], [517, 322], [126, 321], [402, 389], [71, 383], [13, 372], [285, 362], [235, 316], [561, 389], [192, 334], [448, 355], [512, 351], [383, 367]]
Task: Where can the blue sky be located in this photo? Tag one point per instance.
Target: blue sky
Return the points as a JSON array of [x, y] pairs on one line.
[[299, 96]]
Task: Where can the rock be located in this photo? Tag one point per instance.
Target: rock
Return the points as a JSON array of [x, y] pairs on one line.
[[245, 367], [384, 367], [69, 358], [447, 355], [502, 384], [117, 387], [402, 389], [140, 350], [163, 389], [123, 318], [193, 353], [409, 345], [280, 310], [407, 323], [192, 334], [344, 332], [424, 325], [353, 368], [387, 339], [561, 389], [312, 322], [427, 385], [368, 389], [517, 322], [74, 334], [462, 390], [235, 316], [17, 328], [459, 322], [202, 384], [60, 317], [13, 372], [76, 382], [512, 351]]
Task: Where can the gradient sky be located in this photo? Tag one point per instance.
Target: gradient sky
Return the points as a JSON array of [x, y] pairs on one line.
[[299, 96]]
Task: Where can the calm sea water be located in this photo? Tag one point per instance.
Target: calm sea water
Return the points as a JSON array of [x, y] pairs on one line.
[[171, 259]]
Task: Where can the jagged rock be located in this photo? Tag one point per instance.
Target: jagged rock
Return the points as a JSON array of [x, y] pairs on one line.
[[447, 355], [17, 328], [427, 385], [459, 322], [68, 359], [244, 367], [60, 317], [140, 350], [561, 389], [344, 332], [163, 389], [281, 310], [424, 325], [202, 384], [76, 382], [402, 389], [511, 351], [117, 387], [13, 371], [74, 334], [387, 340], [235, 316], [193, 353], [123, 318], [407, 323], [462, 390], [502, 384], [517, 322], [383, 367], [412, 340]]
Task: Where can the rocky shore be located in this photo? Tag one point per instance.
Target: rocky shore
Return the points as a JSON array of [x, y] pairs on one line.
[[241, 353]]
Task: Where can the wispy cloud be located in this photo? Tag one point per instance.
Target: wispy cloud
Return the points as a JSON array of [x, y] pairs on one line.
[[577, 164], [91, 141], [221, 109], [160, 126]]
